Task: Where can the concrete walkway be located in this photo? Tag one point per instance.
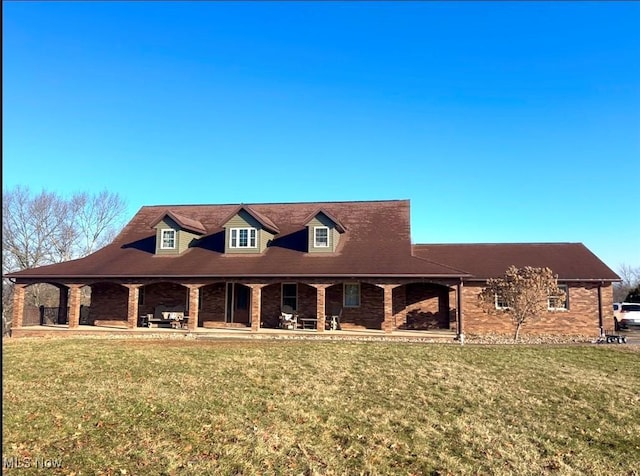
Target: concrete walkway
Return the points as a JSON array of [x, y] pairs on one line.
[[443, 335]]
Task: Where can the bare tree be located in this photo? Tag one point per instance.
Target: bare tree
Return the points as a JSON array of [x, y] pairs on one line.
[[46, 228], [522, 294], [95, 217], [630, 281]]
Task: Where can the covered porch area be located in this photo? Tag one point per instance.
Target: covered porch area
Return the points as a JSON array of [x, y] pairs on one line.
[[247, 305]]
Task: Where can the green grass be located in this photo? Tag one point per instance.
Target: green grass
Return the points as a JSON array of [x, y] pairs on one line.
[[122, 406]]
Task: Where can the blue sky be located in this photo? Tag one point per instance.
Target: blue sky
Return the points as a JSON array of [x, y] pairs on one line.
[[500, 121]]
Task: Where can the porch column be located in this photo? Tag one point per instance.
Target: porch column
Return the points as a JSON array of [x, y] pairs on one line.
[[194, 303], [74, 305], [388, 323], [18, 305], [256, 305], [321, 292], [132, 305], [600, 313], [460, 313]]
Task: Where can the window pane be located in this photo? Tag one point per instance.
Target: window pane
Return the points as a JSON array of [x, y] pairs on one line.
[[168, 239], [290, 295], [556, 303], [352, 295], [243, 238], [321, 237]]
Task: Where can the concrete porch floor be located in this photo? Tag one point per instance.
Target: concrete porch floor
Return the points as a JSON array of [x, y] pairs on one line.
[[439, 335]]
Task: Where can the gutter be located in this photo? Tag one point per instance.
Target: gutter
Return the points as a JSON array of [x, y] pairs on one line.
[[240, 276]]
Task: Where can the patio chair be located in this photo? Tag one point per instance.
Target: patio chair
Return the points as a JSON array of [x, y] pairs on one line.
[[332, 320], [288, 318]]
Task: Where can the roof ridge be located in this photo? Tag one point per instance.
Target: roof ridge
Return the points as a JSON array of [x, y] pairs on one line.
[[277, 203], [462, 271], [503, 243]]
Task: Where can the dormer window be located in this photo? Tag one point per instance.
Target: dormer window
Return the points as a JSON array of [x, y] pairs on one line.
[[242, 238], [321, 237], [323, 232], [168, 240]]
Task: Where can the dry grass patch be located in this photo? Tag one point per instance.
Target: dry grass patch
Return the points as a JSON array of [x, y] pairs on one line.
[[162, 407]]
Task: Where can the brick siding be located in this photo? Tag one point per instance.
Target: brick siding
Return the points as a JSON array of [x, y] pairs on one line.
[[581, 319]]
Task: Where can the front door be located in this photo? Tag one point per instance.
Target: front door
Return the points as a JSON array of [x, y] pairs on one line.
[[238, 299]]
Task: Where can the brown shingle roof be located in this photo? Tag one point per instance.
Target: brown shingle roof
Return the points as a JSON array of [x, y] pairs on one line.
[[339, 226], [184, 222], [260, 218], [570, 261], [376, 242]]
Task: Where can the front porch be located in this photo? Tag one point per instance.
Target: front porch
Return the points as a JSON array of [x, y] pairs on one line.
[[374, 306]]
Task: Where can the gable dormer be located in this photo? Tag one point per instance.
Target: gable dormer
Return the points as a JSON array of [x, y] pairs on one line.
[[324, 231], [247, 231], [175, 233]]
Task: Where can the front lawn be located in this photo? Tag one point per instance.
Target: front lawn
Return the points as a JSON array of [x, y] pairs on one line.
[[124, 406]]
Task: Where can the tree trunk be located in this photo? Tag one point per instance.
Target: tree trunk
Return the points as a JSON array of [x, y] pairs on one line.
[[517, 333]]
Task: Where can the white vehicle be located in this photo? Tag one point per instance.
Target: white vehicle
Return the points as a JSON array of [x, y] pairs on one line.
[[626, 314]]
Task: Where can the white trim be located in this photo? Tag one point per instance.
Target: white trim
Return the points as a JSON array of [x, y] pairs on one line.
[[252, 236], [162, 239], [315, 237], [565, 304], [498, 304], [344, 295]]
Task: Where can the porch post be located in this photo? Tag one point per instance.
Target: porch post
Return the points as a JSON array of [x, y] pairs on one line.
[[194, 302], [18, 305], [256, 305], [321, 305], [132, 305], [388, 324], [460, 313], [600, 314], [74, 306]]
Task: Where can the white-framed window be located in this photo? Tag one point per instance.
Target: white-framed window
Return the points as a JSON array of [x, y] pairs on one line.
[[321, 237], [352, 295], [167, 239], [243, 238], [556, 304], [290, 295], [500, 303]]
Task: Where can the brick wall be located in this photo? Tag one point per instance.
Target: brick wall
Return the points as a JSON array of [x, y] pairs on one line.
[[415, 305], [109, 303], [370, 314], [426, 307], [212, 298], [580, 319]]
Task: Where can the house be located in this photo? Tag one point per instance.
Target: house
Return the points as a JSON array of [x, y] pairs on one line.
[[237, 265]]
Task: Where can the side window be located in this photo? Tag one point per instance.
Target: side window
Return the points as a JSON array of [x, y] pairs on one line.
[[352, 295], [556, 304], [500, 302]]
